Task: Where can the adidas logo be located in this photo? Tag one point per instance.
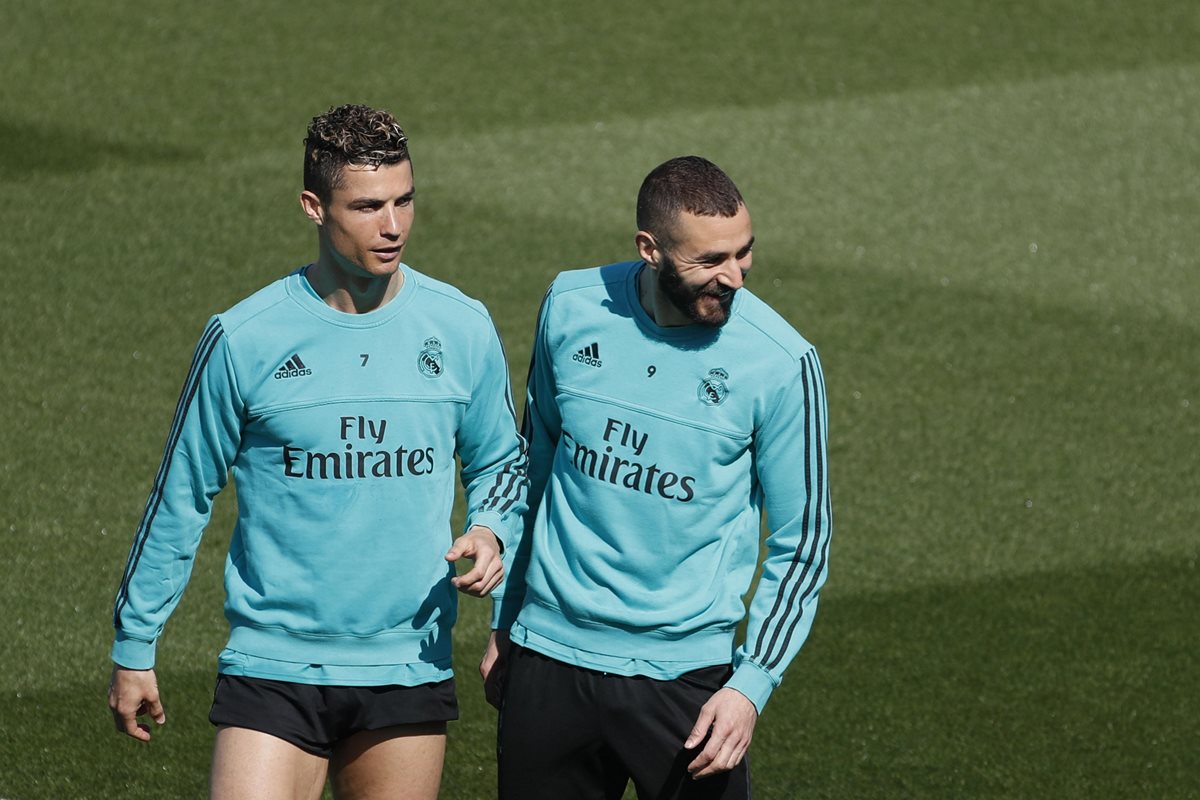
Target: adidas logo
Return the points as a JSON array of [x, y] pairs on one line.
[[589, 355], [292, 368]]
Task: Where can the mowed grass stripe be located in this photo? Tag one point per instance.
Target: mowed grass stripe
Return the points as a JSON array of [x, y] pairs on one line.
[[957, 184], [1012, 568], [984, 184], [220, 71], [875, 324], [1067, 684]]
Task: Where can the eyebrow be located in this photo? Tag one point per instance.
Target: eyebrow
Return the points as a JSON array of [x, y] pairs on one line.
[[717, 256], [373, 201]]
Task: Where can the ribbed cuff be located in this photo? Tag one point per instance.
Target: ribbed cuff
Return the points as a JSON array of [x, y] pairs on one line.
[[753, 681], [493, 521], [133, 653]]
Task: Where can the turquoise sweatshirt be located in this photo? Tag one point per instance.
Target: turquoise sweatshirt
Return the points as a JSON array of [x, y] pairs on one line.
[[340, 432], [654, 455]]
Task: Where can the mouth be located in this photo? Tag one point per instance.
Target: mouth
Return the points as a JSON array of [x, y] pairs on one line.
[[387, 253]]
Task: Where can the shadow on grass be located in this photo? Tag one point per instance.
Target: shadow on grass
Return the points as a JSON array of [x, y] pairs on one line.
[[1066, 684], [28, 150]]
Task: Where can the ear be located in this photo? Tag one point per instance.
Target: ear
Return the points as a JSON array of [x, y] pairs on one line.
[[648, 248], [312, 207]]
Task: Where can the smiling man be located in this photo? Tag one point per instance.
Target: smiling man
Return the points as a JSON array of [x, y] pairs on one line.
[[668, 411], [338, 397]]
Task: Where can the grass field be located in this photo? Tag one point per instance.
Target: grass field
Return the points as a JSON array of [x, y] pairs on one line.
[[983, 214]]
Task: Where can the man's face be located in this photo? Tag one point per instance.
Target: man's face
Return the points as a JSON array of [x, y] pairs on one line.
[[706, 265], [366, 221]]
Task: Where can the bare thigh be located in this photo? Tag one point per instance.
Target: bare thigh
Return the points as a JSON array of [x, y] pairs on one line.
[[399, 763], [251, 765]]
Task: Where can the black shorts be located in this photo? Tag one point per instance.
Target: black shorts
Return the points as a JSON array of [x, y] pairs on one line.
[[572, 732], [315, 718]]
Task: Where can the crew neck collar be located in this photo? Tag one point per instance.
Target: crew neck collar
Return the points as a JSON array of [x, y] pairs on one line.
[[300, 290]]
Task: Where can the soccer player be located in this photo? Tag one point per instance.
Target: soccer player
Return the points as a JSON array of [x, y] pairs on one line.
[[338, 396], [668, 410]]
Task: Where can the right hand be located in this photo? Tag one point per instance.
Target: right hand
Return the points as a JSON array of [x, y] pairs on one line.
[[133, 693], [493, 665]]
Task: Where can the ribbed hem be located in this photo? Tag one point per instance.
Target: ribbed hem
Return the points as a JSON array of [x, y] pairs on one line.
[[544, 629], [386, 647]]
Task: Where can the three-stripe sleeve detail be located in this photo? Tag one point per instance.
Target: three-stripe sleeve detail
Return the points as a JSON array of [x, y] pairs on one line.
[[803, 574], [208, 342], [513, 476]]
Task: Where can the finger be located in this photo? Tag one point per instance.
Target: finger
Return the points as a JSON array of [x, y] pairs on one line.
[[730, 755], [493, 571], [727, 760], [472, 576], [461, 547], [712, 748], [128, 724], [493, 581], [700, 762], [700, 729], [157, 712], [479, 588], [709, 762]]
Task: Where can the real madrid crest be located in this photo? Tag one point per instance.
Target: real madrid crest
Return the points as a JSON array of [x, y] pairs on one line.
[[712, 389], [430, 360]]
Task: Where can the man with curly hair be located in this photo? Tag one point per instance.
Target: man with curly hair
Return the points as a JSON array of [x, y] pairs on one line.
[[338, 397]]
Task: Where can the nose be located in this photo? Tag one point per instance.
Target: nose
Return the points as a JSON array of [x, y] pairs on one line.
[[733, 273], [392, 224]]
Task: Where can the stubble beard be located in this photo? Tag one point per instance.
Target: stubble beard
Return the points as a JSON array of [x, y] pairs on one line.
[[691, 302]]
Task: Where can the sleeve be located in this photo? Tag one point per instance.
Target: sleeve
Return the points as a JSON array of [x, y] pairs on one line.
[[540, 428], [491, 450], [203, 441], [793, 475]]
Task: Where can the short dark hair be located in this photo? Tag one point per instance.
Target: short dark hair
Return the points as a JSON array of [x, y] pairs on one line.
[[349, 134], [688, 183]]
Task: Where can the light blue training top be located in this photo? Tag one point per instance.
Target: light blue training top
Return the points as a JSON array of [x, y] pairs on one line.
[[340, 431], [655, 453]]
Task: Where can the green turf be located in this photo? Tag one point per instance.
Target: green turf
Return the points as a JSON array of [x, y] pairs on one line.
[[982, 213]]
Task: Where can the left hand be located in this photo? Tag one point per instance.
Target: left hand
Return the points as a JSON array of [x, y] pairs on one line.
[[728, 719], [481, 546], [493, 665]]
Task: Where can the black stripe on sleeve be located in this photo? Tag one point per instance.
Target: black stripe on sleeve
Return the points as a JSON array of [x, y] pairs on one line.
[[515, 470], [808, 488], [208, 342], [821, 537], [814, 562]]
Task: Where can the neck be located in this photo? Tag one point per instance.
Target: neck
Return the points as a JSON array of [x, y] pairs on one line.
[[655, 303], [350, 293]]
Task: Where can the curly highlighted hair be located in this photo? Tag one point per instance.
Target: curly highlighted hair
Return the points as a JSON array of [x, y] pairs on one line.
[[688, 183], [349, 134]]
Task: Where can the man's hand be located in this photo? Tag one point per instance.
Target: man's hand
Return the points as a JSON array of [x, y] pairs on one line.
[[493, 667], [728, 719], [133, 693], [481, 546]]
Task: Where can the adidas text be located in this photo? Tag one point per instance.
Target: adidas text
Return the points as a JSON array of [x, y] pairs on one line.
[[589, 355]]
